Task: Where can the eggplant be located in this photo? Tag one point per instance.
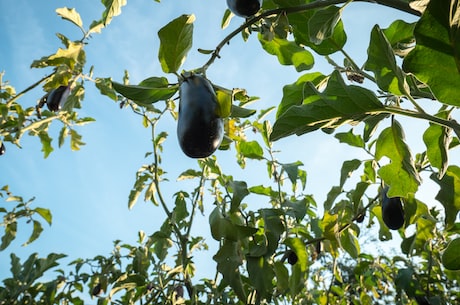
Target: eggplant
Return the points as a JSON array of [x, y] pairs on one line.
[[392, 211], [200, 130], [292, 257], [244, 8], [57, 97]]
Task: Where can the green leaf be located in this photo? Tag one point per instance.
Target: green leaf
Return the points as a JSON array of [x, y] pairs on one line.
[[381, 60], [350, 243], [450, 255], [300, 25], [437, 141], [45, 214], [400, 174], [282, 277], [112, 9], [69, 57], [292, 169], [348, 167], [9, 235], [240, 112], [321, 25], [228, 260], [261, 275], [75, 140], [37, 230], [251, 149], [46, 143], [105, 87], [221, 227], [435, 60], [239, 190], [226, 19], [295, 93], [145, 95], [337, 105], [449, 194], [350, 138], [288, 53], [175, 42], [225, 101], [400, 35], [70, 14]]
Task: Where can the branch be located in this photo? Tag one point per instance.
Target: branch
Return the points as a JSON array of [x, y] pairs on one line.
[[397, 4], [29, 88]]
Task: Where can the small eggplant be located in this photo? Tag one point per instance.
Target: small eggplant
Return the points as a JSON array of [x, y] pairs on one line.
[[244, 8], [199, 128], [392, 211], [57, 97]]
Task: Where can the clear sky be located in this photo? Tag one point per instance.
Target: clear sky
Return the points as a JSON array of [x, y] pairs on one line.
[[87, 191]]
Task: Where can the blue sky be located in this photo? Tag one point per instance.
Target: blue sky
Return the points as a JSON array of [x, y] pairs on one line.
[[87, 191]]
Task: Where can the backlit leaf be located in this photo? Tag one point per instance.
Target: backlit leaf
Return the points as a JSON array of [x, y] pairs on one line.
[[288, 53], [70, 14], [400, 174], [449, 194], [436, 57], [381, 60], [337, 105], [175, 42], [112, 9]]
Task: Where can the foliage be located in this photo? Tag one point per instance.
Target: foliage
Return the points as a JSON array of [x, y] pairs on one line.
[[254, 260]]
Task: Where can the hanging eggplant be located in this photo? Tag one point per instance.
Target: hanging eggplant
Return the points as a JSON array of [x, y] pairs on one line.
[[244, 8], [57, 97], [392, 211], [199, 128]]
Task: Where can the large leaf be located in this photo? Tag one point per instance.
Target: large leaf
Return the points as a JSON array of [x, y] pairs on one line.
[[294, 94], [436, 57], [229, 258], [288, 53], [449, 194], [400, 174], [175, 41], [148, 91], [381, 60], [337, 105]]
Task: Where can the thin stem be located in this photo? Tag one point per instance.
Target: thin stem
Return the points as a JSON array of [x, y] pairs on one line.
[[29, 88]]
